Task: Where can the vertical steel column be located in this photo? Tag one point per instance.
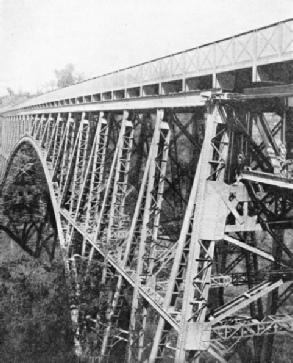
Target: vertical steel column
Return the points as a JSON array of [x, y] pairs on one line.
[[35, 124], [20, 126], [17, 133], [148, 234], [13, 131], [60, 125], [116, 215], [13, 137], [103, 215], [119, 188], [92, 183], [5, 134], [29, 125], [17, 128], [51, 140], [97, 174], [67, 157], [49, 132], [79, 167], [198, 274], [127, 257], [6, 140], [10, 134], [70, 160], [45, 131], [74, 186], [177, 276], [62, 157], [40, 128]]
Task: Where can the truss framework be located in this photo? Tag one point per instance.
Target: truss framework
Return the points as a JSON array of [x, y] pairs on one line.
[[168, 205]]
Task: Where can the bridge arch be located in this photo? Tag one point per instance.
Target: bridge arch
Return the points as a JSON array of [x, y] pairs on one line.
[[32, 142]]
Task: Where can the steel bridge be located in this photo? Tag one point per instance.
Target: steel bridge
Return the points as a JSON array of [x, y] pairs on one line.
[[176, 177]]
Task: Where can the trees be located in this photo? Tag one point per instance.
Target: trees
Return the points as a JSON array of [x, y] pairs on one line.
[[14, 97], [67, 76], [34, 312]]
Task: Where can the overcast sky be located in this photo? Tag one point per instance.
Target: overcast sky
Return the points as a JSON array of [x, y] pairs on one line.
[[100, 36]]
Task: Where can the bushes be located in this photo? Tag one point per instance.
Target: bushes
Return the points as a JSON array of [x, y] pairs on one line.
[[34, 313]]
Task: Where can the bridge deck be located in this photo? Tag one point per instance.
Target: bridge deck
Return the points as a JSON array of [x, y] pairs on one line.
[[236, 60]]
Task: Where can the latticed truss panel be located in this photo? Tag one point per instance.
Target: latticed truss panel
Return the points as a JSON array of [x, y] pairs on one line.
[[262, 54]]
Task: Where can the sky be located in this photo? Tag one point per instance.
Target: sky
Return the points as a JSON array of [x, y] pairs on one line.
[[100, 36]]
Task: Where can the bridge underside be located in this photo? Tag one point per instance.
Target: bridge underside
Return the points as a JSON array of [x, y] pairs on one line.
[[181, 204]]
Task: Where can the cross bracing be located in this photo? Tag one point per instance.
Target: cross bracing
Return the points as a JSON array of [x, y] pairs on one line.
[[181, 201]]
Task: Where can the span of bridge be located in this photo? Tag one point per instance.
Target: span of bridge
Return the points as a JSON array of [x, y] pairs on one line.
[[167, 176]]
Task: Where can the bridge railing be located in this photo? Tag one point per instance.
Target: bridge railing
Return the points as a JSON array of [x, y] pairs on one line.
[[203, 66]]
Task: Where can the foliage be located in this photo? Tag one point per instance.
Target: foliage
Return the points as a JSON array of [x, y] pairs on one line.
[[64, 77], [47, 87], [67, 76], [93, 298], [14, 97], [34, 309]]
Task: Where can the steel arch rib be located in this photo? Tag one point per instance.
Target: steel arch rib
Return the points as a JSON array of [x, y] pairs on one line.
[[30, 140]]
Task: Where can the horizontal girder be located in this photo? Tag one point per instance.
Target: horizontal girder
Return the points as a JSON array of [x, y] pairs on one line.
[[209, 66], [186, 100]]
